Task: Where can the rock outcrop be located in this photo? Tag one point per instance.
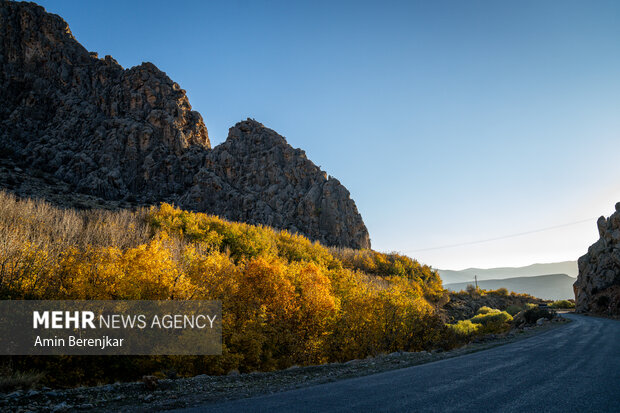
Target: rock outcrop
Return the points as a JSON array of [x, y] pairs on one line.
[[256, 177], [105, 130], [131, 134], [597, 289]]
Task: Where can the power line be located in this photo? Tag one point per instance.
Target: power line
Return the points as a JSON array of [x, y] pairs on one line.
[[504, 236]]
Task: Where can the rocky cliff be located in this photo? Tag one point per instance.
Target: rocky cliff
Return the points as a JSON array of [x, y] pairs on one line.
[[256, 177], [597, 288], [91, 127]]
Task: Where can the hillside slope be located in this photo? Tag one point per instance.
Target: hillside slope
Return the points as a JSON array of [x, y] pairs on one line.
[[549, 287], [286, 300], [86, 125], [565, 267]]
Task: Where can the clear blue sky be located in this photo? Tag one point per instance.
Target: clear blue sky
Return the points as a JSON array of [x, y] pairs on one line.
[[449, 121]]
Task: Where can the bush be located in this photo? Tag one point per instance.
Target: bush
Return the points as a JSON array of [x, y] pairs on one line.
[[487, 321], [562, 304], [534, 313], [495, 316], [465, 328], [493, 322], [513, 310], [473, 291], [485, 310]]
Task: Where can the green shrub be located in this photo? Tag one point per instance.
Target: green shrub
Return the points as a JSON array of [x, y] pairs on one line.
[[513, 310], [486, 310], [562, 304], [533, 314], [530, 305], [492, 317], [493, 322], [464, 328], [488, 321]]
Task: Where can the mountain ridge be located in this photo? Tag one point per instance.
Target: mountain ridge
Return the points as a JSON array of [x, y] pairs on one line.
[[548, 286], [116, 134], [563, 267]]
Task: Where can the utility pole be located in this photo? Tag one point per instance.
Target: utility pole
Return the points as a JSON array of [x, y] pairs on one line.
[[476, 280]]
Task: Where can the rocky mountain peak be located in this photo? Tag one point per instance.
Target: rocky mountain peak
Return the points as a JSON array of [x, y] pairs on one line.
[[32, 35], [131, 135], [254, 134], [280, 188]]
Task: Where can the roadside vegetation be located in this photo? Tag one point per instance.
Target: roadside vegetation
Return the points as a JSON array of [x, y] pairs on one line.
[[563, 304], [532, 314], [11, 380], [286, 301], [486, 321], [464, 304]]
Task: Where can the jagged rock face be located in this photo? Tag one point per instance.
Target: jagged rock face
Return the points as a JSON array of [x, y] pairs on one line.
[[597, 288], [106, 130], [256, 177], [132, 134]]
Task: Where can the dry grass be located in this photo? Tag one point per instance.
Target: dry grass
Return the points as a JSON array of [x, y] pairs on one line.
[[34, 234], [37, 221], [14, 380]]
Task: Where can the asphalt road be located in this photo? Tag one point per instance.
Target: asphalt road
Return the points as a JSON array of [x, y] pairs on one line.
[[574, 368]]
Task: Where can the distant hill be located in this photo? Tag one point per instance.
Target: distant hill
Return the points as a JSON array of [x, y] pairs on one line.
[[566, 267], [549, 287]]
